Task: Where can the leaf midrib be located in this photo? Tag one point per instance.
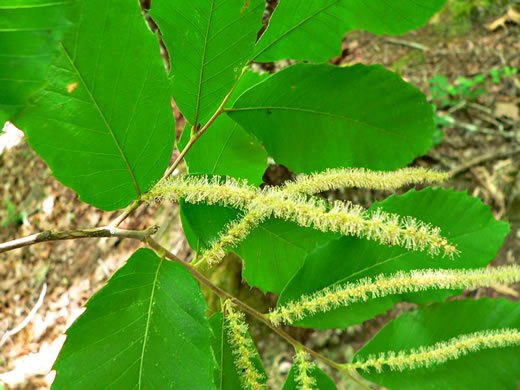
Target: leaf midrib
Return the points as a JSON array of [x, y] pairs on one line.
[[102, 115], [30, 6], [322, 113], [148, 318], [203, 64], [224, 146], [294, 28]]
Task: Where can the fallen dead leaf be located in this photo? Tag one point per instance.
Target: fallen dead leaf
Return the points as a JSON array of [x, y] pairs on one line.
[[509, 110], [506, 290], [33, 364], [510, 16], [10, 137]]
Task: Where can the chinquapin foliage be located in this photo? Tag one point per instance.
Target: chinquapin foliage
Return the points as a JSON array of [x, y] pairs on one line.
[[86, 82]]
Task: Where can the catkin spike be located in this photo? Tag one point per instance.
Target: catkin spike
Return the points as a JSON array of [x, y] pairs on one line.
[[346, 219], [341, 295], [242, 348], [234, 232], [201, 189], [440, 352], [332, 179], [303, 366]]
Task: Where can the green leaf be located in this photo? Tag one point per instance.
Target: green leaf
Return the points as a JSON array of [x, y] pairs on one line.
[[145, 329], [313, 31], [358, 116], [275, 251], [485, 369], [248, 81], [209, 42], [272, 253], [104, 123], [464, 220], [322, 380], [29, 36], [226, 149], [202, 223], [226, 376]]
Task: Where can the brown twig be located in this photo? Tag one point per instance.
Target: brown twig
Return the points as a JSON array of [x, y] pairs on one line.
[[475, 129], [27, 319], [413, 45], [199, 133], [55, 235], [126, 213], [248, 309], [483, 158]]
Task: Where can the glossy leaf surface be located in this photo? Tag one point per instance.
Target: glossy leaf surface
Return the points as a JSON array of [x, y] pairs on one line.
[[313, 30], [104, 123], [272, 253], [464, 220], [29, 36], [275, 251], [358, 116], [226, 149], [146, 329], [209, 42], [480, 370], [202, 223]]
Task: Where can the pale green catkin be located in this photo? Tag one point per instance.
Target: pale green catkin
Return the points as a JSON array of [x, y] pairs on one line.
[[341, 295], [242, 348], [233, 234], [303, 366], [344, 218], [440, 352], [363, 178], [201, 189]]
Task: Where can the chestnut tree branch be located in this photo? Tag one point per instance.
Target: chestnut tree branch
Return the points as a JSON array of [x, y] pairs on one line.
[[55, 235], [248, 309]]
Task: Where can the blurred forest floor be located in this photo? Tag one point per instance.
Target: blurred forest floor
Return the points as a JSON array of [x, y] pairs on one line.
[[481, 142]]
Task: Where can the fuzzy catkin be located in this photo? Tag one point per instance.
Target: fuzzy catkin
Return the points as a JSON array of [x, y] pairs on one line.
[[346, 219], [233, 234], [341, 295], [303, 366], [242, 348], [201, 189], [332, 179], [440, 352]]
